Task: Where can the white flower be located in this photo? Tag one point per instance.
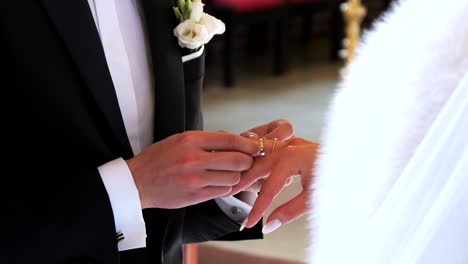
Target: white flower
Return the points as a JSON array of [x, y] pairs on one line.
[[197, 11], [196, 28], [213, 25], [191, 35]]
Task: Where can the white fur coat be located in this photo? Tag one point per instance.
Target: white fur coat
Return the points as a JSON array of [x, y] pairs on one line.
[[407, 67]]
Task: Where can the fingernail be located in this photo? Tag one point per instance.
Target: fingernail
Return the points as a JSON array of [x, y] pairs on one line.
[[271, 226], [243, 224], [251, 135]]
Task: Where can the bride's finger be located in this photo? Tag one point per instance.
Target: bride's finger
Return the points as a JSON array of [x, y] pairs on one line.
[[300, 141], [287, 213], [256, 186], [261, 169], [270, 189]]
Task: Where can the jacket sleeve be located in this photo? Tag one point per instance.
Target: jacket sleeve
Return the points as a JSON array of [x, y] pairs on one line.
[[60, 214]]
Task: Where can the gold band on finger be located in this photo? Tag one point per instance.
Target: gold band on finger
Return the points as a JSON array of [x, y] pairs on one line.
[[275, 141]]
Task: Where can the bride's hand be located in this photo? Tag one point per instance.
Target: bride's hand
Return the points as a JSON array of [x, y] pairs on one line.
[[279, 130], [296, 158]]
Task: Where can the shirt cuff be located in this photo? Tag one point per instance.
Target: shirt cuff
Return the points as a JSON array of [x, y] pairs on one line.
[[237, 208], [125, 201]]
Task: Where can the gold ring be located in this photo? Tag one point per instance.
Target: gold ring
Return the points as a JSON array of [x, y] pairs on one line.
[[261, 143], [275, 140]]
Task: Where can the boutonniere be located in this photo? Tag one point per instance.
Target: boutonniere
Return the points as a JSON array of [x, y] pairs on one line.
[[196, 28]]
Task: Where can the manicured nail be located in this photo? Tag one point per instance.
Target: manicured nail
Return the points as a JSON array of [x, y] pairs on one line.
[[243, 224], [251, 135], [271, 226]]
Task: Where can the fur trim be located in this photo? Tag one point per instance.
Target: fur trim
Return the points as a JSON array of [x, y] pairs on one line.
[[406, 68]]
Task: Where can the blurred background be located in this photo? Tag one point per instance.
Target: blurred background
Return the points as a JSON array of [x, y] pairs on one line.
[[277, 59]]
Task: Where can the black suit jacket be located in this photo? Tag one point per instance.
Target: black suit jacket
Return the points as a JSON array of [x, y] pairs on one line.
[[68, 122]]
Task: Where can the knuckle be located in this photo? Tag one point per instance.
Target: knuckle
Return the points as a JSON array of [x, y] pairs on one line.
[[224, 190], [188, 161], [230, 141], [242, 162], [195, 196], [216, 191], [188, 138], [193, 182], [180, 181], [295, 141], [188, 182], [290, 150], [234, 178]]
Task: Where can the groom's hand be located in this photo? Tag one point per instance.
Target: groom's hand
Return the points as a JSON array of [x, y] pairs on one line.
[[278, 130], [190, 168]]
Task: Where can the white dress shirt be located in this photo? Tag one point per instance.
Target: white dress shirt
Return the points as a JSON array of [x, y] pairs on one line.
[[120, 24]]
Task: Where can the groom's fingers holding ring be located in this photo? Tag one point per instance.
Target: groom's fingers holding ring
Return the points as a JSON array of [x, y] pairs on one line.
[[222, 141], [262, 166], [227, 161], [260, 169], [250, 135], [214, 178]]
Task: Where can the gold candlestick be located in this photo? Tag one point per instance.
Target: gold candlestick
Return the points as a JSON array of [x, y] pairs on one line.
[[354, 13]]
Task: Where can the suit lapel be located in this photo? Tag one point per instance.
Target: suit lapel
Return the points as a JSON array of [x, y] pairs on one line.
[[74, 22], [169, 108], [168, 68]]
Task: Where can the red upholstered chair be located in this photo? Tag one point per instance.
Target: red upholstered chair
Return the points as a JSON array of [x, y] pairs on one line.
[[248, 5], [238, 12]]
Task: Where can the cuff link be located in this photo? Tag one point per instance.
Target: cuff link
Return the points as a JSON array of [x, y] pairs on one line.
[[235, 210], [120, 236]]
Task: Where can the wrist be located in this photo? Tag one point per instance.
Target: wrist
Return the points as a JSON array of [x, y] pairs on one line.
[[136, 171]]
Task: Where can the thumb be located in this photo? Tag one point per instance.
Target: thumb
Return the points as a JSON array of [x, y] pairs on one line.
[[251, 135], [280, 129]]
